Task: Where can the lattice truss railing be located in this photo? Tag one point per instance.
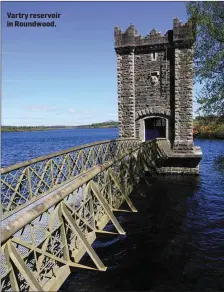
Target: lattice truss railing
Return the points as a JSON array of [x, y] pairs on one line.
[[26, 182], [43, 246]]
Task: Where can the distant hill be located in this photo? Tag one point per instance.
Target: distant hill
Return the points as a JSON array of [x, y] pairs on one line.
[[109, 124]]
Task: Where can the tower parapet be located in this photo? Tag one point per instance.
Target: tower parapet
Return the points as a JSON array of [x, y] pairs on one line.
[[131, 37], [182, 31]]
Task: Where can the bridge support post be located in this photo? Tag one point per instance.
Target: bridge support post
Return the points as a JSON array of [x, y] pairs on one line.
[[23, 269], [123, 193], [106, 207], [79, 233]]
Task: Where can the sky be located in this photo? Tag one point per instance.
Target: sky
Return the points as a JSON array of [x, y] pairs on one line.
[[67, 75]]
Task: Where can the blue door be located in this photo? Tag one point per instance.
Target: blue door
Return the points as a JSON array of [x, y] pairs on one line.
[[155, 128], [151, 134]]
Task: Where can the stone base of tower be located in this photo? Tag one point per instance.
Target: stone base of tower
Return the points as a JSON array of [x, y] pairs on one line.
[[168, 161], [182, 163], [180, 146]]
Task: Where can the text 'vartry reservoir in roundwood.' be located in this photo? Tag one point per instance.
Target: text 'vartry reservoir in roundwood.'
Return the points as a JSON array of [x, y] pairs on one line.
[[32, 19]]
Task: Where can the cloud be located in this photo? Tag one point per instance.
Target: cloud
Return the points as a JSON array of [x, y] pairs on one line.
[[82, 112], [77, 112], [113, 115], [40, 108], [33, 114], [23, 118], [85, 112], [71, 110]]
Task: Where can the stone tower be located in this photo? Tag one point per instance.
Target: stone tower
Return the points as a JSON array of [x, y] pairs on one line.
[[155, 85]]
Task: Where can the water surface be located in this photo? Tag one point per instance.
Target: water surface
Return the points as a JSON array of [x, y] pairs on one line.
[[21, 146], [176, 240]]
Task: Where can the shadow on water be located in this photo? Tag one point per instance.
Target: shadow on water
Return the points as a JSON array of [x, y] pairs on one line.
[[218, 164], [156, 253], [176, 240]]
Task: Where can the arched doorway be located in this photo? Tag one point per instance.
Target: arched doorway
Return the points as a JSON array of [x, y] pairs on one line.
[[155, 127]]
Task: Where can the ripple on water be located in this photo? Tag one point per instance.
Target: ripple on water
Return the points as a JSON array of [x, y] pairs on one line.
[[175, 240]]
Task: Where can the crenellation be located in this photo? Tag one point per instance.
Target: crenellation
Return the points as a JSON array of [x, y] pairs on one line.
[[131, 37], [182, 31]]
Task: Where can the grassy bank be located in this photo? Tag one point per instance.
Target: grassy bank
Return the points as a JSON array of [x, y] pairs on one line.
[[110, 124], [204, 127], [30, 129], [209, 127]]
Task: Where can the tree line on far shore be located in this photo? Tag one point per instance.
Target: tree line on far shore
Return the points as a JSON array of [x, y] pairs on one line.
[[210, 126], [111, 124]]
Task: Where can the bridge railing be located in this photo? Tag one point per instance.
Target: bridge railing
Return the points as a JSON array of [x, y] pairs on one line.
[[26, 182], [43, 242], [41, 246]]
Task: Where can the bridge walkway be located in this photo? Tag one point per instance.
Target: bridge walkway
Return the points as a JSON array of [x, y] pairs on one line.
[[54, 206]]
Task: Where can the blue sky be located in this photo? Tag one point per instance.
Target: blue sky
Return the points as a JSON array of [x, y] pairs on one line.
[[66, 75]]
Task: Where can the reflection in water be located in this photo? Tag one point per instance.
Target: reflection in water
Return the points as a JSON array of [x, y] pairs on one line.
[[219, 163], [164, 249], [176, 240], [173, 243]]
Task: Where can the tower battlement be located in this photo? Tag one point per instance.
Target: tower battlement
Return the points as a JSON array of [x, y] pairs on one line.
[[131, 37]]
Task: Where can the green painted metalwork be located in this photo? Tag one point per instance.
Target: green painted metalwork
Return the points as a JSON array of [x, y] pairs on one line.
[[29, 180], [45, 240]]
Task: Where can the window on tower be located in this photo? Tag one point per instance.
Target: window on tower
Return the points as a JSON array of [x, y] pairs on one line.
[[154, 56]]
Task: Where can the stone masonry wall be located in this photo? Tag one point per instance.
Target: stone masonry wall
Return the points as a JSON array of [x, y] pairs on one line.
[[151, 99], [183, 100], [146, 94], [126, 103]]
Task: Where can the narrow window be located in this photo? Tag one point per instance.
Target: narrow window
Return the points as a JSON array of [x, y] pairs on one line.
[[154, 56]]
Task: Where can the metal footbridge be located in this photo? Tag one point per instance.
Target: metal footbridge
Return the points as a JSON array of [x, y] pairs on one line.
[[54, 206]]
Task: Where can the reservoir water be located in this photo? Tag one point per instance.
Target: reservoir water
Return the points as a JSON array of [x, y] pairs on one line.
[[175, 242]]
